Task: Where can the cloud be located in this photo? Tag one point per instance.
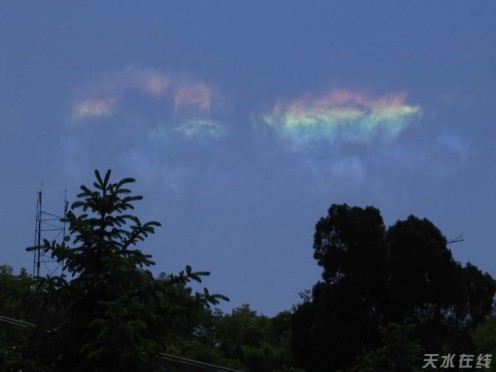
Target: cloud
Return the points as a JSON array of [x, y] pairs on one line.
[[336, 137], [94, 107], [454, 143], [201, 128], [153, 82], [193, 96], [351, 169], [157, 118], [168, 128], [339, 115], [149, 81], [186, 104]]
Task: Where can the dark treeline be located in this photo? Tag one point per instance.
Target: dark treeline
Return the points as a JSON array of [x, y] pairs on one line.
[[387, 297]]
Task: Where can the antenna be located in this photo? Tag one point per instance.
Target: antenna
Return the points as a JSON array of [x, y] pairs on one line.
[[48, 227]]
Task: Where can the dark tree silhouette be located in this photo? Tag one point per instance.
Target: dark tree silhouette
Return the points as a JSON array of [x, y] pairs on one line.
[[111, 314], [374, 278]]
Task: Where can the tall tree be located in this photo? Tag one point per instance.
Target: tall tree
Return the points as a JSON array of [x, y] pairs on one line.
[[342, 317], [111, 314], [374, 278]]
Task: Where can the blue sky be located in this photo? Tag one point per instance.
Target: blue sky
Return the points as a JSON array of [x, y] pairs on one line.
[[244, 121]]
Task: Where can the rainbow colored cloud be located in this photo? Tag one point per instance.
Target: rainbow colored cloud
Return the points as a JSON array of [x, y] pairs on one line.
[[340, 115], [186, 102], [184, 93]]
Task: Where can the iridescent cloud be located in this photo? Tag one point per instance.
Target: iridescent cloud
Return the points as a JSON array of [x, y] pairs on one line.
[[186, 102], [340, 114], [193, 96], [184, 93], [202, 128], [94, 107]]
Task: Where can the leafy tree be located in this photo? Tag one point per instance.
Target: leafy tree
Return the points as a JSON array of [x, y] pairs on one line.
[[480, 288], [373, 277], [243, 339], [259, 342], [484, 336], [398, 351], [425, 283], [13, 290], [109, 313], [342, 318]]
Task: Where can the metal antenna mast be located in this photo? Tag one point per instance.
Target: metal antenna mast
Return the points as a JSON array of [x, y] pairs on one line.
[[49, 227]]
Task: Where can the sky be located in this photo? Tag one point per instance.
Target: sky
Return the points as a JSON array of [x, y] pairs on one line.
[[243, 121]]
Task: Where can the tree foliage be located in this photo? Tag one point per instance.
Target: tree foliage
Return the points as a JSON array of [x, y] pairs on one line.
[[397, 351], [374, 277], [258, 341], [387, 295], [107, 312], [243, 339], [484, 336]]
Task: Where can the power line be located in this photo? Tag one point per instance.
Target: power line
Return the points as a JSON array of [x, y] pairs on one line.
[[16, 322]]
